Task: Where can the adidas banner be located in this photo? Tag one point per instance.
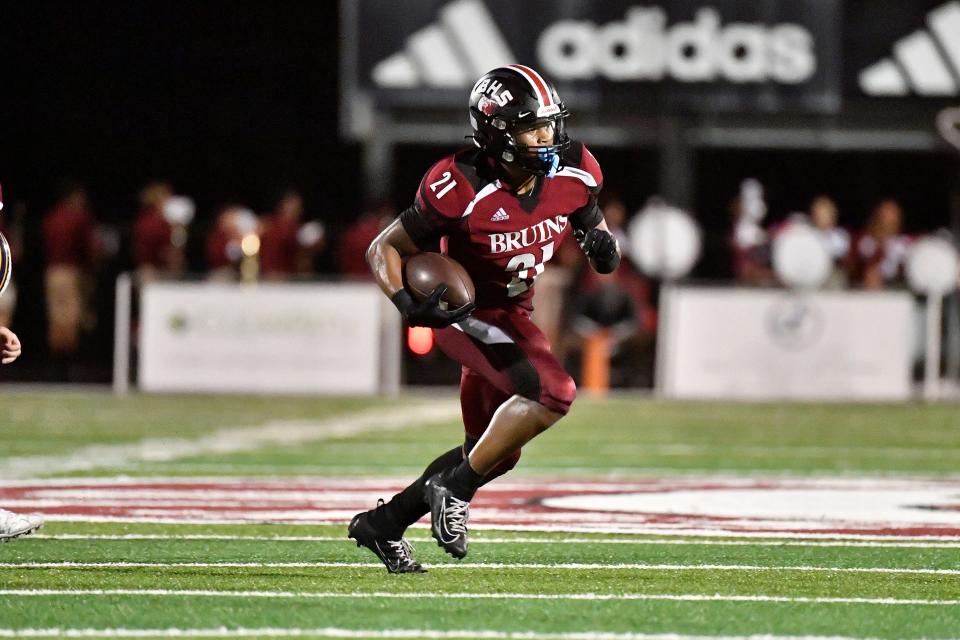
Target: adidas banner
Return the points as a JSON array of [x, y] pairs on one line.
[[907, 50], [727, 55]]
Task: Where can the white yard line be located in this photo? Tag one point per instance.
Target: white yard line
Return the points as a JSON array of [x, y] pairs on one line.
[[571, 566], [417, 595], [232, 440], [736, 450], [337, 632], [908, 543], [572, 472]]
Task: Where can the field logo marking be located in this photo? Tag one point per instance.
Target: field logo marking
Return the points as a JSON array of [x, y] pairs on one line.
[[878, 508]]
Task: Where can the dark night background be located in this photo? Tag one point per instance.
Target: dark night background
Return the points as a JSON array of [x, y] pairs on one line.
[[234, 101], [228, 101]]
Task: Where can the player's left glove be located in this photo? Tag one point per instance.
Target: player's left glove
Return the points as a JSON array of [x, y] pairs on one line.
[[601, 246]]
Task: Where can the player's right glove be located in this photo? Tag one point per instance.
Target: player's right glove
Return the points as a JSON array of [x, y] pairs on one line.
[[428, 312]]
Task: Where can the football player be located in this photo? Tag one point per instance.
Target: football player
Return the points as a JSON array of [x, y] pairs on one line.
[[502, 208], [14, 525]]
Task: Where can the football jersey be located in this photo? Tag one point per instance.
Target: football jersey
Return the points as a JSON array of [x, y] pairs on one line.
[[503, 240]]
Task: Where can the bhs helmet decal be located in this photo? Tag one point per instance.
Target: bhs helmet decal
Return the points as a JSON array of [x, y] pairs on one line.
[[510, 100]]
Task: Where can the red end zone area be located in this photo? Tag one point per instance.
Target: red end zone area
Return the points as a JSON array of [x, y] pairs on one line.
[[682, 506]]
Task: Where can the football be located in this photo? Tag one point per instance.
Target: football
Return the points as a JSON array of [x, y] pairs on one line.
[[423, 272]]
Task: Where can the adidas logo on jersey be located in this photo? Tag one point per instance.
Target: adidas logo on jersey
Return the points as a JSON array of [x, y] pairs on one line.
[[918, 63], [500, 215]]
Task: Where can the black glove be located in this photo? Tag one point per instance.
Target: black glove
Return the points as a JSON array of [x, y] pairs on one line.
[[601, 246], [428, 313]]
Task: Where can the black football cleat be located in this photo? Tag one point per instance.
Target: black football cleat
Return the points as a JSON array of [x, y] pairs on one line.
[[396, 555], [448, 517]]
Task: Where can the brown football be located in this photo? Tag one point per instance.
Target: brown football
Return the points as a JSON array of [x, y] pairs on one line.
[[423, 272]]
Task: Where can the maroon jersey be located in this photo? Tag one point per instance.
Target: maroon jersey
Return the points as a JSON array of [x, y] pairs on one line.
[[279, 246], [69, 237], [503, 240], [151, 239]]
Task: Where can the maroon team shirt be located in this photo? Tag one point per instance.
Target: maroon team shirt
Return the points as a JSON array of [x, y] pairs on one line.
[[69, 237], [151, 238], [279, 246], [503, 240]]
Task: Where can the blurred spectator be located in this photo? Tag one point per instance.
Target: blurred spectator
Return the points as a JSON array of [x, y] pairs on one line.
[[749, 242], [287, 248], [822, 216], [615, 213], [879, 253], [618, 306], [225, 249], [72, 253], [352, 248], [158, 248]]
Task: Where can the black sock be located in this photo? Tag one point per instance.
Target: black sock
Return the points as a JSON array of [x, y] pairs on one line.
[[464, 481], [408, 506]]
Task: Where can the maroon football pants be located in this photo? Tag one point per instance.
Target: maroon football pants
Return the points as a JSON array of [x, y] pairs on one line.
[[503, 353]]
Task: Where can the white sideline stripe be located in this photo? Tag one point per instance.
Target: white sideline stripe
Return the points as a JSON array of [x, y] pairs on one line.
[[424, 595], [578, 566], [337, 632], [907, 544], [231, 440]]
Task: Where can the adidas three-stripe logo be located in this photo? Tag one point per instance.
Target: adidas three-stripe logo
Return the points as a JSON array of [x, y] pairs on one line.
[[500, 215], [461, 46], [926, 61]]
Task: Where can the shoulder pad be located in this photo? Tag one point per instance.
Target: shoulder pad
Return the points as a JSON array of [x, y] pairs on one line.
[[445, 190], [579, 163]]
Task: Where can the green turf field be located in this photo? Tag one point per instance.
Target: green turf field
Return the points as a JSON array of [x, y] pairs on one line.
[[142, 579]]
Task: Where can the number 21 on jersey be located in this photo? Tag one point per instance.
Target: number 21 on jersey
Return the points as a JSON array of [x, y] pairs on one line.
[[445, 178], [526, 268]]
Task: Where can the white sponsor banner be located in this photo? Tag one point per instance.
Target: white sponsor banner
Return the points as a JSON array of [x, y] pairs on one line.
[[270, 338], [763, 344]]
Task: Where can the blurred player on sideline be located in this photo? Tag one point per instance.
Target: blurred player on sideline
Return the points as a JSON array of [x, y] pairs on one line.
[[502, 209], [13, 525]]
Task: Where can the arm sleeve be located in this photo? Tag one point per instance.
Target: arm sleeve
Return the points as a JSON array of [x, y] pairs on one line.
[[423, 230], [588, 216]]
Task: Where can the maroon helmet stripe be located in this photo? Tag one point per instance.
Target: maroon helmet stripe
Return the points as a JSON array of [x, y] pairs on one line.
[[539, 86]]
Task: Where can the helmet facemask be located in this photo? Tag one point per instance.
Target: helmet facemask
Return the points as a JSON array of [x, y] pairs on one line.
[[498, 137], [541, 160]]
